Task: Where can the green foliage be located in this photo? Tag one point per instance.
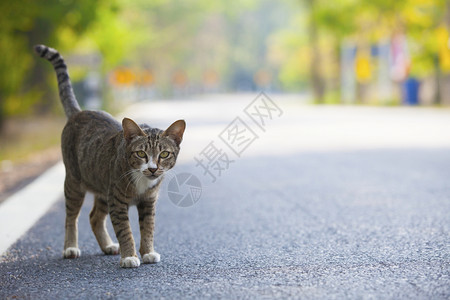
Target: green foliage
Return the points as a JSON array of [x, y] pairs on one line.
[[28, 22], [160, 35], [363, 23]]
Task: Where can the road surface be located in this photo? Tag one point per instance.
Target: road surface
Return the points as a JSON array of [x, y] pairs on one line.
[[319, 202]]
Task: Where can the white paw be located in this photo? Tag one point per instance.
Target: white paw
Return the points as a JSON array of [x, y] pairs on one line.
[[130, 262], [112, 249], [151, 258], [71, 252]]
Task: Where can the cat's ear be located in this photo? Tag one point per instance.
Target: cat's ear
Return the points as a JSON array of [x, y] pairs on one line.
[[131, 129], [175, 131]]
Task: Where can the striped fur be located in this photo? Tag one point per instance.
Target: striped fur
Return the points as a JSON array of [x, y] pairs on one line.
[[66, 94], [116, 162]]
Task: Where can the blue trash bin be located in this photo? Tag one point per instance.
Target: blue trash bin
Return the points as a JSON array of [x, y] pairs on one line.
[[411, 91]]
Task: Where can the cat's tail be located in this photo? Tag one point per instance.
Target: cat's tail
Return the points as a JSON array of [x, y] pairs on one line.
[[66, 93]]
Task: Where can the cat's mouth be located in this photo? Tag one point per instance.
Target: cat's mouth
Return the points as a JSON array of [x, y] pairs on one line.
[[152, 176]]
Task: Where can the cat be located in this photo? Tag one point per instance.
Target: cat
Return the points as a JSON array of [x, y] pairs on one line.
[[121, 164]]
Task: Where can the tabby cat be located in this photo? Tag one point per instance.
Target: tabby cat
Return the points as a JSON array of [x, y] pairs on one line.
[[122, 165]]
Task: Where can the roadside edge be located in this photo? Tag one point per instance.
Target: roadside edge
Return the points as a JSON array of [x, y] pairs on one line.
[[23, 209]]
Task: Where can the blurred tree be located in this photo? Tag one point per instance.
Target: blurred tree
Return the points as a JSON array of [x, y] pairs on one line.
[[317, 81], [198, 36], [360, 22], [299, 42], [25, 23]]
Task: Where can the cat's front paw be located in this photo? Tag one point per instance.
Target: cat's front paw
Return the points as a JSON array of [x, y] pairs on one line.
[[151, 258], [130, 262], [71, 252], [112, 249]]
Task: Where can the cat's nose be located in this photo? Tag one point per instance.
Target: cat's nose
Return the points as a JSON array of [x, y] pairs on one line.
[[153, 170]]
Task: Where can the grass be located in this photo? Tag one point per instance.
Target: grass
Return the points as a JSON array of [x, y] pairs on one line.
[[21, 138]]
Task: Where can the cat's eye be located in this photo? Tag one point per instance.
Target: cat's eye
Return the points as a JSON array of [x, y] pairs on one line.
[[141, 154], [164, 154]]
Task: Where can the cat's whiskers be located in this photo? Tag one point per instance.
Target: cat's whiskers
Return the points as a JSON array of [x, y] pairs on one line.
[[124, 175], [133, 179], [139, 179], [129, 172]]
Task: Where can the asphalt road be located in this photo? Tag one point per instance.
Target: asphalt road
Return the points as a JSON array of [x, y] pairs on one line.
[[356, 210]]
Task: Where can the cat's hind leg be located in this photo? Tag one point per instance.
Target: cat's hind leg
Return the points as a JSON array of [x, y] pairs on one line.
[[98, 223], [74, 199]]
